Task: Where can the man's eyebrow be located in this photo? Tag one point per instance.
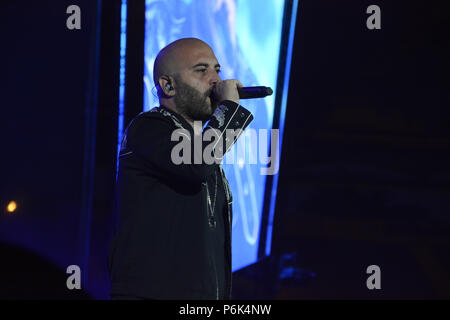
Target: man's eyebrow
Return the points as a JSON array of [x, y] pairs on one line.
[[206, 65]]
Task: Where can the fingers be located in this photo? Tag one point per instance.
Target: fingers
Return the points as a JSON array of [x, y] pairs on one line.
[[235, 81], [227, 90]]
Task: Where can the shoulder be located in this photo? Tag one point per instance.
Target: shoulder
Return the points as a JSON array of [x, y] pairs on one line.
[[145, 127], [159, 114], [150, 120]]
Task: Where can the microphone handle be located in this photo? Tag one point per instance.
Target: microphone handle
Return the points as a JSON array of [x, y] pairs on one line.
[[254, 92]]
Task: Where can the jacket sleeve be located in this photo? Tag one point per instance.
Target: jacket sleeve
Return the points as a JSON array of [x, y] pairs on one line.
[[151, 139]]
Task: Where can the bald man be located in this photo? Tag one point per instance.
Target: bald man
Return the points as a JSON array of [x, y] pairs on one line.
[[173, 238]]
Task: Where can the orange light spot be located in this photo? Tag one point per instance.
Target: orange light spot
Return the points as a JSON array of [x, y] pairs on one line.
[[12, 206]]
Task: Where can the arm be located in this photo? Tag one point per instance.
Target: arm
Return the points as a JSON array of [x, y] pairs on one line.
[[150, 140]]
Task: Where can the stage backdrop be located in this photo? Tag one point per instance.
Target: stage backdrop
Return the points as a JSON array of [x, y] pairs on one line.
[[246, 38]]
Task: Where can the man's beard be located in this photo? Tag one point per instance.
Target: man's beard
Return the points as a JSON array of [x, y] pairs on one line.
[[192, 104]]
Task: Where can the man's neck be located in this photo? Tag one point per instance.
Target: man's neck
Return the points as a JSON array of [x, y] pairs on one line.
[[188, 120]]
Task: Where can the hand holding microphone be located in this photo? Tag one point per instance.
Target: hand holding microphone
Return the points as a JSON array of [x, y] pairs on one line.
[[226, 90], [233, 90]]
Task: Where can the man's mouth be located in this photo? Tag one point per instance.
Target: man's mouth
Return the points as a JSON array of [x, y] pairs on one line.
[[212, 100], [211, 97]]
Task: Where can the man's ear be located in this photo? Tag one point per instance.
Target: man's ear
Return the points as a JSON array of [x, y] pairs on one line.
[[166, 85]]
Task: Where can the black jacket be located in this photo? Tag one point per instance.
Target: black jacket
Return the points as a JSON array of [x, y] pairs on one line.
[[162, 248]]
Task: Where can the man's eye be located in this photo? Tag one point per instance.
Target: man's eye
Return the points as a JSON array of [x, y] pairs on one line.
[[201, 70]]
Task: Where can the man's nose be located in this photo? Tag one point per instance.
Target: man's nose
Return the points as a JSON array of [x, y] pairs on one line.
[[214, 79]]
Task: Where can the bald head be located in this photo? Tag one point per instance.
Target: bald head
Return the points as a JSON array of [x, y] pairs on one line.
[[176, 56], [185, 73]]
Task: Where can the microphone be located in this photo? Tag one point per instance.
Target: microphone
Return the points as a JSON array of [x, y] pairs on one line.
[[254, 92]]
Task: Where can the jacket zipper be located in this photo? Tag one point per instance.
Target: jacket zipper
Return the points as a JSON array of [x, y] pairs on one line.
[[211, 219], [230, 273], [217, 280], [229, 203], [212, 224]]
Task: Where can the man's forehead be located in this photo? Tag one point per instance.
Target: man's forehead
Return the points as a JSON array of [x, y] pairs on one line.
[[181, 55], [192, 56]]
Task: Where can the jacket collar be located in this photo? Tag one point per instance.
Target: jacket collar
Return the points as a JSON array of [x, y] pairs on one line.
[[176, 118]]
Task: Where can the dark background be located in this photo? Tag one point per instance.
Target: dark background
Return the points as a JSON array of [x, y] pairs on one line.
[[364, 175]]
